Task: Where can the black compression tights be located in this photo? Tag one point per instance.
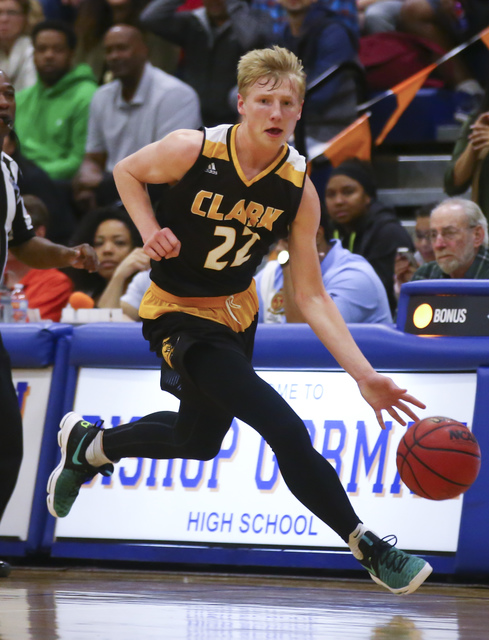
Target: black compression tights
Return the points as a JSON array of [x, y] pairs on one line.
[[226, 386]]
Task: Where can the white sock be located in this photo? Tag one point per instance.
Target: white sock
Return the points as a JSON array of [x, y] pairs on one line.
[[95, 452], [354, 539]]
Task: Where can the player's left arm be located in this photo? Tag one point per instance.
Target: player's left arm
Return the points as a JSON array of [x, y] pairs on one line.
[[322, 315]]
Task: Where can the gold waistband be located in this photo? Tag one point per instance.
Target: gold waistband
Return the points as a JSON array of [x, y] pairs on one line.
[[236, 311], [200, 303]]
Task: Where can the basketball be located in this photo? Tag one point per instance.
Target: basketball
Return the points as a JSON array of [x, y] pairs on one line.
[[438, 458]]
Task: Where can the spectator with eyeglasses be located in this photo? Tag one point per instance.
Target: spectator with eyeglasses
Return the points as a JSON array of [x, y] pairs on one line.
[[407, 263], [458, 233]]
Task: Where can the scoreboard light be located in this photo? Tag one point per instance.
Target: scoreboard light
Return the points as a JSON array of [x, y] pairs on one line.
[[422, 316], [448, 315]]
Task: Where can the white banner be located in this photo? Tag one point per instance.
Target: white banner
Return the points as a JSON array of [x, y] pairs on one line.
[[240, 497], [32, 386]]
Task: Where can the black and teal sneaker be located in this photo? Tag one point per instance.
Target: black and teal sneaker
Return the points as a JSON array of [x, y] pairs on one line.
[[388, 566], [64, 483]]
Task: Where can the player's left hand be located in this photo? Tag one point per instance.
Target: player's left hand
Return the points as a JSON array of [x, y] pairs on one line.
[[383, 394], [84, 257]]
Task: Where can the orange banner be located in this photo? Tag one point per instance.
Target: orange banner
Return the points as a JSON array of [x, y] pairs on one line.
[[356, 140], [353, 142], [405, 92], [485, 37]]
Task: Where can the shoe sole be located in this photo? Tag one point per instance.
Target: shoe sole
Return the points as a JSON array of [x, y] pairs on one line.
[[65, 428], [416, 582]]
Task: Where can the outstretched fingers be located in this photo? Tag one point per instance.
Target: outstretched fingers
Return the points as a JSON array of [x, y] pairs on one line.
[[409, 398], [408, 410], [384, 395]]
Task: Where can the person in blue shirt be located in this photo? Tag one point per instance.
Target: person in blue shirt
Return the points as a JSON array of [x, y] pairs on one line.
[[349, 279]]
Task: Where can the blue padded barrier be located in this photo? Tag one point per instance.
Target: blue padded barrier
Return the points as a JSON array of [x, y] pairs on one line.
[[291, 346], [108, 344], [295, 346], [32, 345]]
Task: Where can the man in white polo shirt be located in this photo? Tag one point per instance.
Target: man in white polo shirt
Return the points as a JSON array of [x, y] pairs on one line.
[[140, 106]]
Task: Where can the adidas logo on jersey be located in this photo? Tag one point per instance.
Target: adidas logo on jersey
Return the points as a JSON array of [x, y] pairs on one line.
[[211, 169]]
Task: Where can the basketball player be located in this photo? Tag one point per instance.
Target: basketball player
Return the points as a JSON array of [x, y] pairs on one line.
[[37, 252], [234, 191]]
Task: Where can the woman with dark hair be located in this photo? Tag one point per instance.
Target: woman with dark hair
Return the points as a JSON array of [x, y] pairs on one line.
[[118, 245], [365, 225], [94, 19], [469, 166]]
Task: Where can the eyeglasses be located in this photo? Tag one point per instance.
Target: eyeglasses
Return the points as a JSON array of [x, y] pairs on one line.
[[422, 235], [10, 13], [448, 233]]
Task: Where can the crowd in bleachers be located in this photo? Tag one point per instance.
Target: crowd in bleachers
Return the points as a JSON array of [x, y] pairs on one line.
[[96, 80]]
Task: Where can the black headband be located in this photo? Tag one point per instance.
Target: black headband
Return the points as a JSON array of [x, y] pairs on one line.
[[356, 171]]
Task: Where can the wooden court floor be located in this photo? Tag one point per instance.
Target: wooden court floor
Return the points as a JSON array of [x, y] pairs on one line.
[[47, 604]]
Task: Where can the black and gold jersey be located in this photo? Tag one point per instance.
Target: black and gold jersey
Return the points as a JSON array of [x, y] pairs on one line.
[[225, 222]]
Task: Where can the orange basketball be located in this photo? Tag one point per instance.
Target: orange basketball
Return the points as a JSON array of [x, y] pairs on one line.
[[438, 458]]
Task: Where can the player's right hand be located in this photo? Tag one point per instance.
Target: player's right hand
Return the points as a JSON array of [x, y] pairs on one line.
[[383, 394], [163, 243]]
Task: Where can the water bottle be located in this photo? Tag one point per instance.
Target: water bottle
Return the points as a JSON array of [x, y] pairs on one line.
[[5, 304], [19, 304]]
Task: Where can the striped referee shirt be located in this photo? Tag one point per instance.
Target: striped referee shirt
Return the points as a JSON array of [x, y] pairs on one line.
[[478, 270], [15, 222]]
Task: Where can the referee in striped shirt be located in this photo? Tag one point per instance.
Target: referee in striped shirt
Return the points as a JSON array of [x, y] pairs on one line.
[[17, 234]]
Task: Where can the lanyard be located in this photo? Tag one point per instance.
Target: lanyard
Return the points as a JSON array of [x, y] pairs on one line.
[[351, 241]]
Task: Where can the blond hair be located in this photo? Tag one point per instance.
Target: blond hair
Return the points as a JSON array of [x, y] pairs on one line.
[[275, 63]]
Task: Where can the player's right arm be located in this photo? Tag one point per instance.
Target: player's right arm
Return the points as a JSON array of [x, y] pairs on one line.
[[323, 316], [162, 162]]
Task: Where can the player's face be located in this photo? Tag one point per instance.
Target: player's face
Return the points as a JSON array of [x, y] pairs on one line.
[[346, 199], [270, 111], [112, 243], [52, 56], [7, 105], [454, 242]]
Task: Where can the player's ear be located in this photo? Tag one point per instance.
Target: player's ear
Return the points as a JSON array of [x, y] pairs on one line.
[[300, 112], [240, 104]]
